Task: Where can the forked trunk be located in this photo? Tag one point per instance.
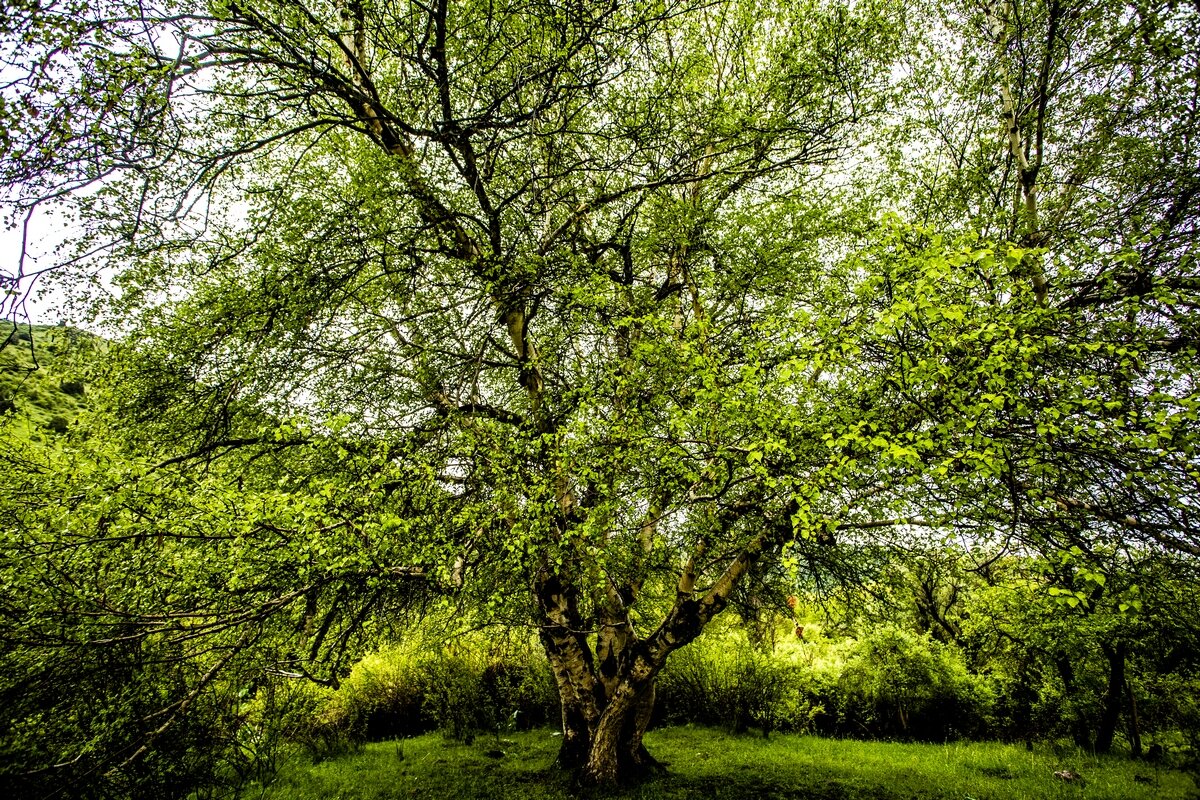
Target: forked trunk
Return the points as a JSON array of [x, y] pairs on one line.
[[610, 749], [618, 754], [607, 697]]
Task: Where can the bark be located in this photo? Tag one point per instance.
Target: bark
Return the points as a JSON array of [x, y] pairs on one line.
[[565, 643], [1079, 732], [1135, 725], [577, 739], [1113, 697], [1026, 201], [617, 753], [606, 703], [605, 747], [1024, 698]]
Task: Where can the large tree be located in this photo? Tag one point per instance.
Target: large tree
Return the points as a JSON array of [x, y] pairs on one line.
[[537, 264]]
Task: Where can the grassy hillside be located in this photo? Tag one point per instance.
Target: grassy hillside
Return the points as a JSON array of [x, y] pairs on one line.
[[42, 370]]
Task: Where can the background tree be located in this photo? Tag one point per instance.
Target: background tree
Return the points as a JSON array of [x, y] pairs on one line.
[[1094, 186]]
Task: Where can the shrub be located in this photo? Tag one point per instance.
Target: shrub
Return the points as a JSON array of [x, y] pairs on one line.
[[289, 711], [381, 698], [453, 696], [897, 683], [521, 690], [458, 689], [72, 388], [89, 709], [726, 681]]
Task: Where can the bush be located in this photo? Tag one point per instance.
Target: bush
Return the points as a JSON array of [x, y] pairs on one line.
[[381, 698], [459, 690], [90, 709], [453, 696], [521, 690], [726, 681], [900, 684], [296, 712], [889, 684], [72, 388]]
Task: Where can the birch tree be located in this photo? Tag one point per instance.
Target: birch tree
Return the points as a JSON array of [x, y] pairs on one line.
[[538, 265]]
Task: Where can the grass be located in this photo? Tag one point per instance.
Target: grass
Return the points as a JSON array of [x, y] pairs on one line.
[[40, 385], [705, 763]]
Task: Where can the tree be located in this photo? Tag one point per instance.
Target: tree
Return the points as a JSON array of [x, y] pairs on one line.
[[569, 311], [1095, 187], [529, 263]]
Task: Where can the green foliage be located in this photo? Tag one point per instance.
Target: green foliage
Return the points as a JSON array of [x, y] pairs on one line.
[[76, 708], [723, 680], [462, 689], [580, 317], [888, 684], [42, 376], [896, 683]]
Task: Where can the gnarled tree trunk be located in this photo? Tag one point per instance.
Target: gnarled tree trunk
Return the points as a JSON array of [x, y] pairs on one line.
[[617, 753], [607, 696], [607, 700]]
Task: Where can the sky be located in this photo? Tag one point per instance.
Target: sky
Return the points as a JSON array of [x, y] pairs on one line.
[[39, 298]]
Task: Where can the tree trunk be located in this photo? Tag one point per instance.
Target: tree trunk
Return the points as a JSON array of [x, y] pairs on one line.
[[603, 723], [580, 696], [1079, 731], [617, 752], [1135, 725], [607, 698], [1113, 697], [577, 739]]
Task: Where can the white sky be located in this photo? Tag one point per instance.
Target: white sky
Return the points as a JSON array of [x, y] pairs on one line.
[[41, 299]]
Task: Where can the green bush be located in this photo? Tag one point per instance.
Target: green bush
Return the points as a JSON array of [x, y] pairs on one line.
[[461, 690], [890, 683], [900, 684], [453, 696], [90, 710], [72, 388], [521, 689], [287, 711], [726, 681], [383, 697]]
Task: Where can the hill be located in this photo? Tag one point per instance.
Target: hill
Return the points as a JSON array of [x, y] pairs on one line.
[[42, 375]]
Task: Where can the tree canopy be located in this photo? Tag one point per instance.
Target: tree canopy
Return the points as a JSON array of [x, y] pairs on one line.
[[579, 314]]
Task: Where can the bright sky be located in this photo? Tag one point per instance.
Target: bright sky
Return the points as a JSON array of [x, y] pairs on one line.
[[37, 300]]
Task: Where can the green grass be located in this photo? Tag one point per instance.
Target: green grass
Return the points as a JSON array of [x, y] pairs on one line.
[[41, 384], [704, 763]]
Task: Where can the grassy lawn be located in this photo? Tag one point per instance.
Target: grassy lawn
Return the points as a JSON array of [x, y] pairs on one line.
[[704, 763]]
